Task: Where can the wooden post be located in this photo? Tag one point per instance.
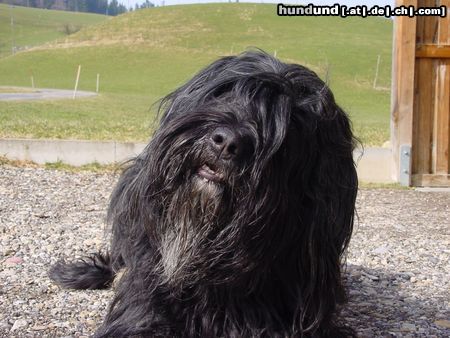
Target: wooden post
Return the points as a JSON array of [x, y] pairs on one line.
[[32, 79], [76, 82], [402, 86], [98, 83], [376, 72]]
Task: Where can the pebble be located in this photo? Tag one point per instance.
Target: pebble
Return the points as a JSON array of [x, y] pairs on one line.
[[381, 250], [14, 260], [408, 327], [19, 324], [443, 323], [39, 327], [5, 326]]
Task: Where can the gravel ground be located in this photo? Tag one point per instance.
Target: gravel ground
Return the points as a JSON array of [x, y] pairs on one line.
[[398, 271]]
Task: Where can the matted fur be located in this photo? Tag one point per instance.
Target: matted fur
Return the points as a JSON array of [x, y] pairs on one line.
[[252, 249]]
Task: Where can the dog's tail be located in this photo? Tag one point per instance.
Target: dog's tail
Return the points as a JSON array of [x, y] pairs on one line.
[[94, 272]]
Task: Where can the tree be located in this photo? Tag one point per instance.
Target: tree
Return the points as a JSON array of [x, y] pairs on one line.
[[147, 4], [113, 8], [92, 6], [48, 3]]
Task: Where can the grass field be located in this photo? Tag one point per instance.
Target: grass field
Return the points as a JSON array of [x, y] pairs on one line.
[[34, 26], [143, 55]]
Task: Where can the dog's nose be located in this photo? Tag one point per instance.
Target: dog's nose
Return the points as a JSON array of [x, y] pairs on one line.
[[227, 143]]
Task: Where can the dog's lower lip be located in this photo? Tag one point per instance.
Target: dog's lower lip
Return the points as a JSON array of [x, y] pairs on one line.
[[207, 173]]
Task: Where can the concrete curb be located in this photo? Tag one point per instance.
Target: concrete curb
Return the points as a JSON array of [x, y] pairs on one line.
[[73, 152], [373, 166]]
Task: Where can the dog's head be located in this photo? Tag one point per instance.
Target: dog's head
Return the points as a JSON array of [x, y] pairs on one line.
[[251, 165]]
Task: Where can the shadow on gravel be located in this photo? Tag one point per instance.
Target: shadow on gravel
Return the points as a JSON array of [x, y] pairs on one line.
[[390, 305]]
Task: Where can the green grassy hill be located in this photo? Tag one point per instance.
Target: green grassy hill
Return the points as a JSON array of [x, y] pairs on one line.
[[143, 55], [34, 26]]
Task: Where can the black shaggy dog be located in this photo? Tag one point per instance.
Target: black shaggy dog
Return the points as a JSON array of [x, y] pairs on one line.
[[234, 219]]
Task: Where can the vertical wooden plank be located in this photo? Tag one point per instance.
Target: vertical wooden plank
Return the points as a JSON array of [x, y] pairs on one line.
[[402, 82], [423, 116], [441, 130], [427, 26], [442, 119], [444, 25], [424, 86]]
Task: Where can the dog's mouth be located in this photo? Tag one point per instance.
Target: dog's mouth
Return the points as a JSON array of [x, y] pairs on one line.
[[209, 173]]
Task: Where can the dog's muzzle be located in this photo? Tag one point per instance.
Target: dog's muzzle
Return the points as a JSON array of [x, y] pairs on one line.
[[227, 150]]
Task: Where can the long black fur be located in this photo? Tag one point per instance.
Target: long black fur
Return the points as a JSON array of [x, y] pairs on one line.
[[255, 249]]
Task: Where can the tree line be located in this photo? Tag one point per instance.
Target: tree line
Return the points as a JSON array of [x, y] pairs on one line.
[[107, 7]]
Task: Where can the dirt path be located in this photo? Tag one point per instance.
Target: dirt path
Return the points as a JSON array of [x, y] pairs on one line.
[[25, 94]]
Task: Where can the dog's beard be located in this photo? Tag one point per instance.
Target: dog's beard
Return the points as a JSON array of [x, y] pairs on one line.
[[194, 214]]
